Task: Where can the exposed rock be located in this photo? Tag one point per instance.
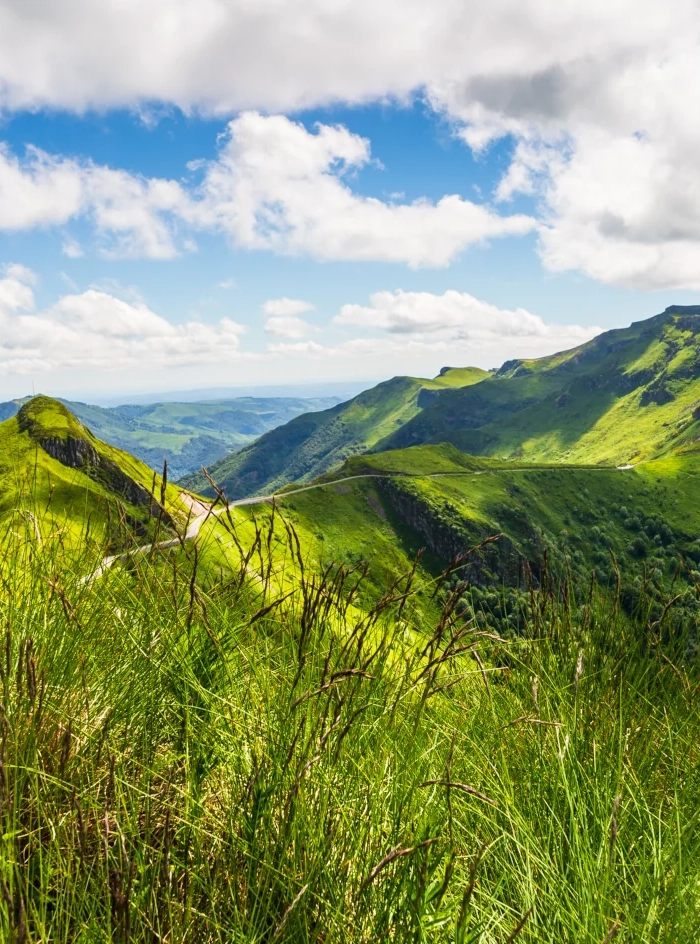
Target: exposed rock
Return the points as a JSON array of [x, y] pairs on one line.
[[683, 310], [76, 448], [499, 562]]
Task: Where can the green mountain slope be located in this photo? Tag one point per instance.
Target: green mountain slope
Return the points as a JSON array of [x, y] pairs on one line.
[[188, 435], [316, 442], [627, 395], [57, 475], [382, 509]]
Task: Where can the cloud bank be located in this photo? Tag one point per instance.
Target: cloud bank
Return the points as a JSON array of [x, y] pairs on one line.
[[94, 329], [599, 99], [457, 317], [273, 186]]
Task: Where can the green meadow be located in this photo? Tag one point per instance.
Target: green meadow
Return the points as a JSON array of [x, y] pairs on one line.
[[396, 690]]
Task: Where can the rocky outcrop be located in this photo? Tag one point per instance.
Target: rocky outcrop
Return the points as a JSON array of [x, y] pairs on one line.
[[426, 397], [79, 453], [76, 448], [72, 452], [497, 563]]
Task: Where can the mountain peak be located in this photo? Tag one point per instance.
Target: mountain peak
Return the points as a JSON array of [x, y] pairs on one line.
[[682, 310], [45, 418]]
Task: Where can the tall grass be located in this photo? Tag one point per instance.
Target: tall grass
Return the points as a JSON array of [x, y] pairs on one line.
[[185, 758]]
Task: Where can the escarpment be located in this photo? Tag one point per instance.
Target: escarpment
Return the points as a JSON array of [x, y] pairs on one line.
[[497, 562]]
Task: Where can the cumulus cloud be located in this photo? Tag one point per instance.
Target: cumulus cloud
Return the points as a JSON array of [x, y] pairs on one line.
[[72, 248], [425, 318], [274, 185], [605, 136], [94, 329], [40, 191], [286, 306], [282, 318], [599, 98], [133, 216], [222, 55], [279, 187]]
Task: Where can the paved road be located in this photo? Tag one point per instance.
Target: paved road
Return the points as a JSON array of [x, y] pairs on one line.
[[195, 524]]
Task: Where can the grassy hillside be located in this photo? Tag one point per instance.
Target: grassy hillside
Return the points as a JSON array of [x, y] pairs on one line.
[[187, 435], [636, 530], [69, 483], [315, 442], [629, 394], [254, 737], [189, 760]]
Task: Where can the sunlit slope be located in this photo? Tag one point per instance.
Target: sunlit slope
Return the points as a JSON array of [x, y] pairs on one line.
[[646, 519], [629, 394], [55, 471], [315, 442]]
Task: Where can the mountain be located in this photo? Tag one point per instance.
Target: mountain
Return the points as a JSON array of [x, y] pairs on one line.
[[187, 434], [626, 396], [56, 473], [313, 443], [635, 526]]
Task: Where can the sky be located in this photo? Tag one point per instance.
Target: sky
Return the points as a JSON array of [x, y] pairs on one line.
[[223, 193]]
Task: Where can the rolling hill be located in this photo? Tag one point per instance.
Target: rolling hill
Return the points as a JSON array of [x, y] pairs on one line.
[[313, 443], [188, 435], [640, 522], [627, 395]]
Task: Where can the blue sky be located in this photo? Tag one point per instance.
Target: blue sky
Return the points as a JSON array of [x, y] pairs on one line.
[[245, 225]]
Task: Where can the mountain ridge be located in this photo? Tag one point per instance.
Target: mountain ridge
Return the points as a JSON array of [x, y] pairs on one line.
[[72, 483], [314, 443], [628, 394]]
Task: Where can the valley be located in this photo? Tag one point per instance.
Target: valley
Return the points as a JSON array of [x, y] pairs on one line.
[[187, 435]]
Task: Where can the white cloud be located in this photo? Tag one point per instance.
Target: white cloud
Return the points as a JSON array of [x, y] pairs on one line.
[[286, 306], [273, 186], [222, 55], [287, 326], [429, 319], [283, 319], [133, 216], [606, 138], [39, 191], [97, 330], [102, 335], [72, 248], [20, 273], [601, 99], [136, 215], [279, 187]]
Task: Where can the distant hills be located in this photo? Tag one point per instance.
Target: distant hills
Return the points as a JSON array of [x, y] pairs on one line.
[[187, 434], [629, 394]]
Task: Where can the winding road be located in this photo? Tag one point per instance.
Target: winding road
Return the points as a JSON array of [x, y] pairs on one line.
[[204, 511]]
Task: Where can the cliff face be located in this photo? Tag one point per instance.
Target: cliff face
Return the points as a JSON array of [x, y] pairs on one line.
[[73, 453], [499, 562]]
